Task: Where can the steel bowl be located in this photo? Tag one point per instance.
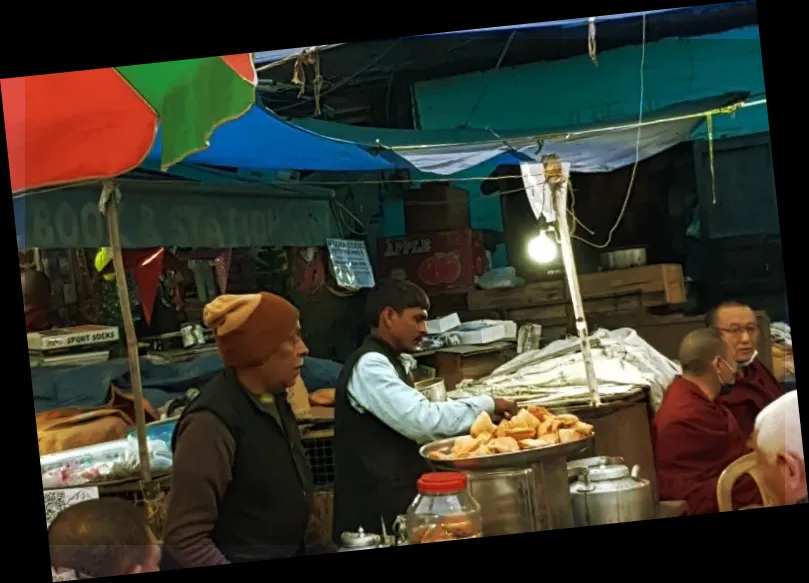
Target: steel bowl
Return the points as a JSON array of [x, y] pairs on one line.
[[517, 459]]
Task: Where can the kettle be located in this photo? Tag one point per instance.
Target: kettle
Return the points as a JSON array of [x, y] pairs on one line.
[[610, 494]]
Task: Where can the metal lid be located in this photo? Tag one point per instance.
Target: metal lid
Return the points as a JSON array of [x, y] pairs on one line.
[[607, 473], [590, 462], [360, 539], [437, 483]]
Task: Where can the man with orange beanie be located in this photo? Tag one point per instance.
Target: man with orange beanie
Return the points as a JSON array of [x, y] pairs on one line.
[[241, 484]]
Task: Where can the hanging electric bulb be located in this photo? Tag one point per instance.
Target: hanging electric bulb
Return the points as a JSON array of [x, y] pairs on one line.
[[542, 248]]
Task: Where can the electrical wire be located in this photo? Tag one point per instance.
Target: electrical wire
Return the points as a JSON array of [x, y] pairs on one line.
[[342, 213], [637, 152], [482, 95], [727, 110], [345, 81]]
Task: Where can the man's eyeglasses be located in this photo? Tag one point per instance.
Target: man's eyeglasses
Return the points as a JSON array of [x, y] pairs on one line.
[[751, 330]]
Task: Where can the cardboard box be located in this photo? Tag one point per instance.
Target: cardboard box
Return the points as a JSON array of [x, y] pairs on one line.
[[445, 324], [436, 206], [486, 331], [435, 261]]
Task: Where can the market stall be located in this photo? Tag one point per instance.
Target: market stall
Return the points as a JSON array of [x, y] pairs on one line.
[[219, 227], [214, 217], [106, 126], [582, 439]]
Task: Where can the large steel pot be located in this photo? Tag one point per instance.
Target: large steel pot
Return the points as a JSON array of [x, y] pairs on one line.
[[610, 494], [525, 491]]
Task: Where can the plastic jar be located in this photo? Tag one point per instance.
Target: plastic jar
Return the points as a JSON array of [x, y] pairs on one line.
[[443, 510]]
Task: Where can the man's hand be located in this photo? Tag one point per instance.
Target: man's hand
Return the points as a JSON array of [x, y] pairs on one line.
[[503, 408]]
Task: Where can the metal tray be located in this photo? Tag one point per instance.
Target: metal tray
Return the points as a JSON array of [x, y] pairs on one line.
[[518, 459]]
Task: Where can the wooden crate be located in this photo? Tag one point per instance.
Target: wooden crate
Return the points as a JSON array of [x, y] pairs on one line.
[[562, 314], [657, 285], [664, 284], [532, 294]]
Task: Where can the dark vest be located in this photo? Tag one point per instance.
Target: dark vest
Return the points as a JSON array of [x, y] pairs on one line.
[[376, 468], [265, 512]]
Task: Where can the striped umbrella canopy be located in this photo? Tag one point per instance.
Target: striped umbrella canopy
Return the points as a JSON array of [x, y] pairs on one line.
[[72, 127]]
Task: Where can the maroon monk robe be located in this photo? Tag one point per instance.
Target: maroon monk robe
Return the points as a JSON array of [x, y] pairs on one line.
[[755, 388], [694, 440]]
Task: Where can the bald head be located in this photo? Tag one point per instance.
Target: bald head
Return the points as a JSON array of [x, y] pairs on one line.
[[778, 427], [36, 289], [700, 349], [102, 538], [779, 449]]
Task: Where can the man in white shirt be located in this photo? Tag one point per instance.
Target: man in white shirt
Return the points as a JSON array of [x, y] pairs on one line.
[[779, 449], [381, 420]]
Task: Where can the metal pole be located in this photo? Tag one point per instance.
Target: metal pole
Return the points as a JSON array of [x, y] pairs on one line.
[[556, 179], [109, 204]]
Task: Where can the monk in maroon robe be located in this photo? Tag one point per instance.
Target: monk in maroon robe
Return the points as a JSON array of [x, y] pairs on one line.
[[694, 436], [755, 386], [36, 297]]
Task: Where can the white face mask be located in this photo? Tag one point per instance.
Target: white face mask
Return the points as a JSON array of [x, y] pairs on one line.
[[749, 361], [725, 385]]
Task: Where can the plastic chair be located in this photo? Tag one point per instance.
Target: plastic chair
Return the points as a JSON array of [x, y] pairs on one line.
[[724, 487]]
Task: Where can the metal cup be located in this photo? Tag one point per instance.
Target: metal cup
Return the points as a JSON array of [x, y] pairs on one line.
[[433, 389]]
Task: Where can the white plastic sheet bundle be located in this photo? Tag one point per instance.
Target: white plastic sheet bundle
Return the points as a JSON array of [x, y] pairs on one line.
[[622, 360]]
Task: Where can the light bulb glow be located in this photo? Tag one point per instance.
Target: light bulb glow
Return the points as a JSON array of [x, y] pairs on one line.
[[542, 249]]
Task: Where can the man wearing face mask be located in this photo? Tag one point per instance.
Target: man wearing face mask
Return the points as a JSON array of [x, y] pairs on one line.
[[695, 437], [755, 386]]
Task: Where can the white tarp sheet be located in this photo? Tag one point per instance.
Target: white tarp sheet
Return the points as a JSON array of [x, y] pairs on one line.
[[623, 363], [602, 151]]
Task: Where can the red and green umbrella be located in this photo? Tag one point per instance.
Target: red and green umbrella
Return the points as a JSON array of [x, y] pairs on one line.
[[72, 127]]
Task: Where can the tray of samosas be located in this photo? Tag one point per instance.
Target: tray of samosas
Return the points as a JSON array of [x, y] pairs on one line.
[[529, 437]]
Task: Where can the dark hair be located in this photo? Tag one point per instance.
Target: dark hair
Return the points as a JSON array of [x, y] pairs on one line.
[[712, 314], [398, 294], [100, 538], [699, 349]]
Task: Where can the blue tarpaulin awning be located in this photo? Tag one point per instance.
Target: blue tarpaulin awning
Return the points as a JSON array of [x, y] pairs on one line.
[[260, 140], [263, 141]]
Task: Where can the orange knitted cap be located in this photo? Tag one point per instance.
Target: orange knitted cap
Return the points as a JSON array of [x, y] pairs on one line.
[[249, 328]]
